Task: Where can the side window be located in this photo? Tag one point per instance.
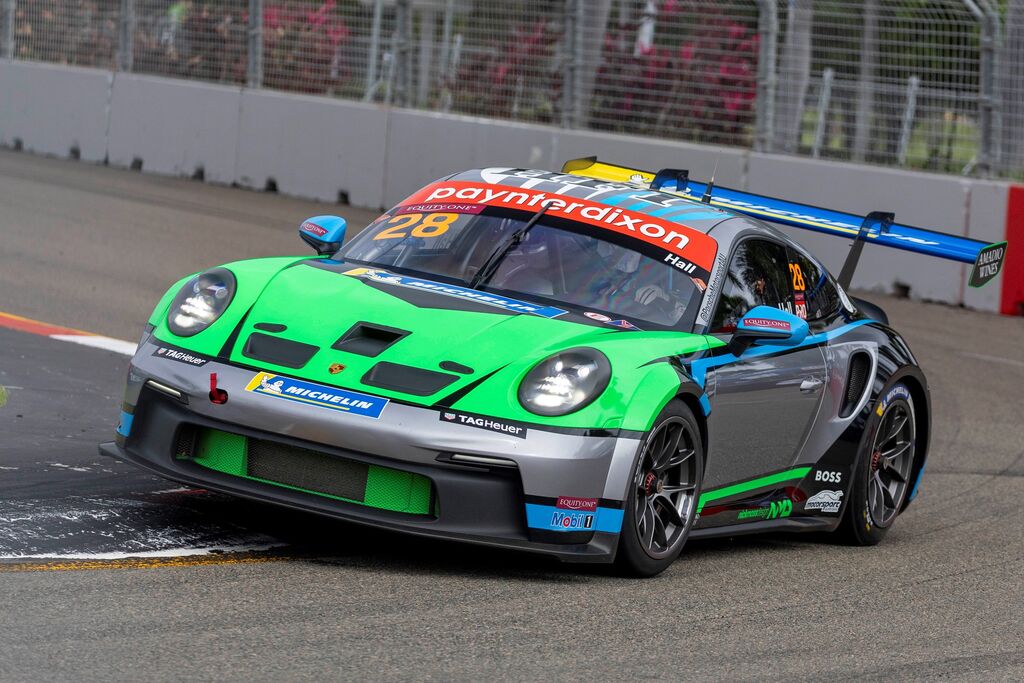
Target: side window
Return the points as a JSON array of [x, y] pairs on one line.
[[814, 295], [758, 276]]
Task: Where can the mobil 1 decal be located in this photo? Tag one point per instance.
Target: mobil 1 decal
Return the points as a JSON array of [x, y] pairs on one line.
[[686, 249]]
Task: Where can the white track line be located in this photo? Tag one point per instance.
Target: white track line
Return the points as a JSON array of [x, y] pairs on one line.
[[126, 348], [171, 552]]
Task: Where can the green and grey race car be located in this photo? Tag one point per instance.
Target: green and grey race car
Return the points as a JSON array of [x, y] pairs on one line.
[[596, 364]]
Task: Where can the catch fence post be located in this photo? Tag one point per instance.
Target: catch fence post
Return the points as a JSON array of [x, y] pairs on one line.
[[570, 67], [824, 103], [254, 60], [126, 38], [767, 78], [8, 18], [987, 28], [909, 114], [374, 57]]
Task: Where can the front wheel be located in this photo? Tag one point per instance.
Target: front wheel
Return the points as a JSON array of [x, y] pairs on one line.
[[882, 473], [662, 501]]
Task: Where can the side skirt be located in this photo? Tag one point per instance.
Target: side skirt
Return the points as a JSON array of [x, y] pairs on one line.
[[766, 526]]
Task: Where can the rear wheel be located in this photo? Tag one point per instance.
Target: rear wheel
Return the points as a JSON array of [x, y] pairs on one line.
[[662, 501], [882, 475]]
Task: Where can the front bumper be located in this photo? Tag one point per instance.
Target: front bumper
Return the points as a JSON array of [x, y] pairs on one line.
[[510, 507]]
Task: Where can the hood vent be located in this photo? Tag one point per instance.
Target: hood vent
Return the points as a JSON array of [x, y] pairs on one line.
[[283, 352], [407, 379], [367, 339]]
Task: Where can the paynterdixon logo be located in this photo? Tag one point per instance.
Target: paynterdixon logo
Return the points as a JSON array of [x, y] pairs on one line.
[[314, 394]]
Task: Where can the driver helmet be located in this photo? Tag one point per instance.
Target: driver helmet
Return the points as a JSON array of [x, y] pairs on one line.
[[627, 260]]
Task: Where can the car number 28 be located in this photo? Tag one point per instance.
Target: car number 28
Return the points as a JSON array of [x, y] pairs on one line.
[[431, 225]]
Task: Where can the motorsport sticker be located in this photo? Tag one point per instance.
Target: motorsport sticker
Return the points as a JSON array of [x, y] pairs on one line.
[[600, 317], [578, 504], [180, 356], [488, 423], [572, 521], [476, 295], [825, 501], [624, 324], [898, 391], [311, 393]]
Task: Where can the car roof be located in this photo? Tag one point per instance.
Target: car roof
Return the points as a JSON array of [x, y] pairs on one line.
[[728, 226], [637, 198]]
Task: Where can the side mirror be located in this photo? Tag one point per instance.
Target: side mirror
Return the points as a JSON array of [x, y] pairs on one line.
[[324, 233], [767, 326]]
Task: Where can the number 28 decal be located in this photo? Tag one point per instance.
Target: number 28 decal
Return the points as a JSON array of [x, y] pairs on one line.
[[798, 277], [417, 225]]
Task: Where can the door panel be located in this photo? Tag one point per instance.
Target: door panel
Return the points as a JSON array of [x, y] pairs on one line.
[[765, 402], [763, 408]]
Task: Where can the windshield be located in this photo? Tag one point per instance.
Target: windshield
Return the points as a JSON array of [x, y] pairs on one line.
[[555, 260]]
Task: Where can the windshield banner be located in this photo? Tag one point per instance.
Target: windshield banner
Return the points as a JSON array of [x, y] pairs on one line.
[[689, 250]]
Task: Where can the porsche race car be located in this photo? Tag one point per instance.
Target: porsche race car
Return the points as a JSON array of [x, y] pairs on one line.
[[596, 364]]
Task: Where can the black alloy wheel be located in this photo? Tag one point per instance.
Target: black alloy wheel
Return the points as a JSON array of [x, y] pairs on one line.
[[882, 475], [892, 456], [664, 489]]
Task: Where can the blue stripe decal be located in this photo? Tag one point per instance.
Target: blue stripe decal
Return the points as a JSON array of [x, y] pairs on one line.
[[699, 367], [550, 518], [917, 482], [705, 404], [616, 199], [124, 427]]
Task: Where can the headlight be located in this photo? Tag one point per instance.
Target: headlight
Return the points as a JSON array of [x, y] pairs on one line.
[[565, 382], [200, 302]]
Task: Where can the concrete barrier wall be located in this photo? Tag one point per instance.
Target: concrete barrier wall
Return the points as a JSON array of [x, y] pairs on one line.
[[312, 147], [174, 127], [373, 156], [50, 109]]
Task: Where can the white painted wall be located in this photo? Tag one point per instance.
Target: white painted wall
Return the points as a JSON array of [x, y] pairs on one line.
[[322, 148]]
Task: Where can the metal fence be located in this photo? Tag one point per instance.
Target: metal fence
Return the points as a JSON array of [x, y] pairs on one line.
[[930, 84]]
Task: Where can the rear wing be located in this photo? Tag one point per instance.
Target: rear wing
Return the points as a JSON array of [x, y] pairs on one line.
[[875, 228]]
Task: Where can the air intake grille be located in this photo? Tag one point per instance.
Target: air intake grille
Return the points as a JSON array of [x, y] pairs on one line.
[[857, 378], [407, 379], [307, 470]]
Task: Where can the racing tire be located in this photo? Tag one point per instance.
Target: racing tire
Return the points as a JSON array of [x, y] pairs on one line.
[[665, 485], [881, 475]]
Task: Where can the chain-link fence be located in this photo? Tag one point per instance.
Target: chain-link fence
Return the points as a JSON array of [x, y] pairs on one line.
[[930, 84]]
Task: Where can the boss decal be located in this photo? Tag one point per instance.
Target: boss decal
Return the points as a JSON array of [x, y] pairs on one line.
[[831, 477], [310, 393], [481, 422]]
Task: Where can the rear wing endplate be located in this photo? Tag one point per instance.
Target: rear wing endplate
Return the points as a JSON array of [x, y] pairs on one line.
[[875, 228]]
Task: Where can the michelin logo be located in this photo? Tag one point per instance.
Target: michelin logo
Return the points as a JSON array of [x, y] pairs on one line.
[[513, 305], [320, 395], [825, 501]]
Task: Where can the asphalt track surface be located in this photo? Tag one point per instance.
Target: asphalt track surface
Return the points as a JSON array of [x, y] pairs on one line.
[[92, 248]]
